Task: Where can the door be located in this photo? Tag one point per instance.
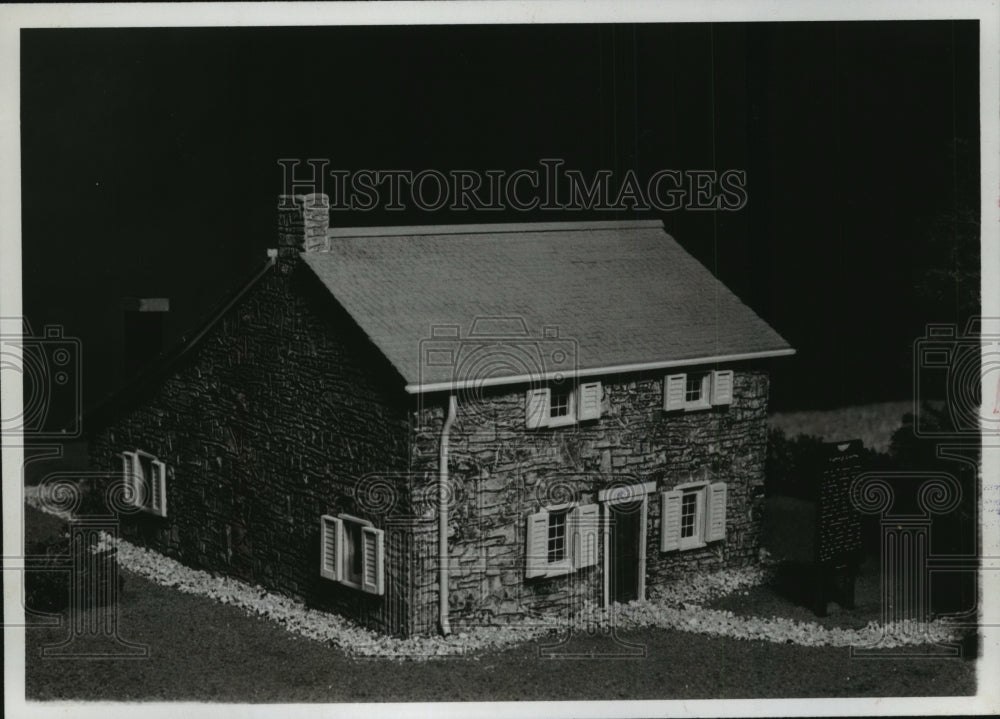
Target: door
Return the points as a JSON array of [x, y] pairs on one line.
[[625, 556]]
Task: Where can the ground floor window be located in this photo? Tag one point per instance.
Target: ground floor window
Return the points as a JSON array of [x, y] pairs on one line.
[[146, 479], [692, 515], [561, 539], [352, 552]]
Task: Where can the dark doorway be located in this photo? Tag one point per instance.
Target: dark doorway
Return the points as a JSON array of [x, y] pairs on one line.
[[624, 560]]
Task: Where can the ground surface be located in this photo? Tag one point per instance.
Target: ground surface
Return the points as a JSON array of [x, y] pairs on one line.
[[202, 650]]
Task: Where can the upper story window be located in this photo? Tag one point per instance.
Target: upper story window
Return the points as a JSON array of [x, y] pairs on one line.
[[561, 406], [697, 390]]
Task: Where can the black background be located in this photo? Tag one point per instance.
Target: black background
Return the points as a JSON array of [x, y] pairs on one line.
[[149, 162]]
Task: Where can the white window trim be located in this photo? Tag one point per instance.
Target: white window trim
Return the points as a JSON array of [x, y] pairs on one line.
[[346, 519], [564, 565], [617, 495], [704, 400], [570, 416], [700, 489]]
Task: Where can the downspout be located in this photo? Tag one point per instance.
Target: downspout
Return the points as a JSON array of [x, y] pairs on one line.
[[444, 624]]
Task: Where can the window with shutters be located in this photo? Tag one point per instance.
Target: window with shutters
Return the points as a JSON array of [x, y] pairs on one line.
[[697, 390], [557, 537], [692, 518], [561, 540], [561, 406], [352, 552], [146, 480], [692, 515]]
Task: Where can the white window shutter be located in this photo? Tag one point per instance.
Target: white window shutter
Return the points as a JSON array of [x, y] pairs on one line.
[[158, 488], [674, 392], [536, 408], [536, 555], [586, 532], [670, 520], [589, 401], [140, 485], [373, 560], [722, 387], [330, 547], [127, 477], [715, 525]]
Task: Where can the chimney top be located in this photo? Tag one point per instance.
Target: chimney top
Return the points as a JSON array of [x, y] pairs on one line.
[[303, 224]]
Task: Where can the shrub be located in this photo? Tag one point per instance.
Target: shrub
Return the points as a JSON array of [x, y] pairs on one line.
[[49, 570], [793, 465], [46, 581]]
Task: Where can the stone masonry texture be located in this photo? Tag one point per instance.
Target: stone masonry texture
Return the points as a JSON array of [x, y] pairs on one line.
[[501, 472], [285, 411], [276, 418]]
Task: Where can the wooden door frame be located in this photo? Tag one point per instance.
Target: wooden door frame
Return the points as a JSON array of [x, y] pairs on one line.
[[624, 495]]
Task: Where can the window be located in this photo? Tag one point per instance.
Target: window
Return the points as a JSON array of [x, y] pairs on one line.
[[561, 406], [561, 540], [146, 479], [697, 390], [557, 537], [692, 515], [352, 552], [691, 503]]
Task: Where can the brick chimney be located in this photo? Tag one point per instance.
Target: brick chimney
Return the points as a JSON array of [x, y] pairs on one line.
[[303, 221]]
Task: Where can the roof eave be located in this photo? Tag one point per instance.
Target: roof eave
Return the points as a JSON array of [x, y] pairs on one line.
[[457, 385]]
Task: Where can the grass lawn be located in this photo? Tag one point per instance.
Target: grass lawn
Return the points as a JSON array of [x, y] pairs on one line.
[[202, 650]]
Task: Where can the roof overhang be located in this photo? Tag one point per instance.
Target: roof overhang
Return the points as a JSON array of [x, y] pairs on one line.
[[458, 385]]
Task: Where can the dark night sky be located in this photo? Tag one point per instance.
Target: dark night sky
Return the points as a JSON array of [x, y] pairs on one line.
[[150, 161]]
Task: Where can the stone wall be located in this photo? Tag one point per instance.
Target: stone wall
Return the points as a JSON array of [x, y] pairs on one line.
[[500, 472], [272, 420]]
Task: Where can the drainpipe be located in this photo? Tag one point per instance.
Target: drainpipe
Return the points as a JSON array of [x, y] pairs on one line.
[[445, 626]]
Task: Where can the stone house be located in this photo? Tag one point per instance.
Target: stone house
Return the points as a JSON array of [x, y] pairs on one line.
[[426, 428]]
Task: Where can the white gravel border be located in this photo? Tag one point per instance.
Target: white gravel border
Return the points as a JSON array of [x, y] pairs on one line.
[[677, 605]]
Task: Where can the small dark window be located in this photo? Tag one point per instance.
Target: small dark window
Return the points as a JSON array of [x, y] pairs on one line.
[[354, 551], [560, 403], [557, 536], [146, 463], [695, 387], [689, 512]]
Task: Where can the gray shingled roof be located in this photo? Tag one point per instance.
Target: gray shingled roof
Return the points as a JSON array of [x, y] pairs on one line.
[[621, 296]]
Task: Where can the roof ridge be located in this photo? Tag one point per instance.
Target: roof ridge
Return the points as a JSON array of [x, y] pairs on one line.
[[493, 228]]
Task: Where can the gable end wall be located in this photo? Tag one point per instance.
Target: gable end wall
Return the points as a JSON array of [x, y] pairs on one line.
[[272, 420]]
